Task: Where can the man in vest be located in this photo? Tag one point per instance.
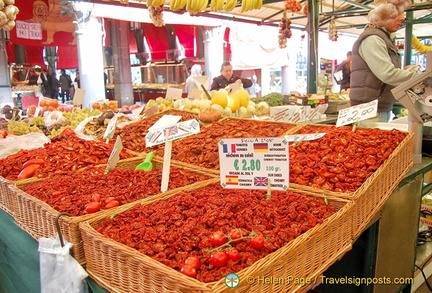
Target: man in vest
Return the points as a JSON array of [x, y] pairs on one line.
[[376, 64]]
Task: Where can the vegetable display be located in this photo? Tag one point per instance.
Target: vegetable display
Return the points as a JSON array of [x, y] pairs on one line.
[[90, 190], [272, 99], [65, 153], [184, 226], [202, 150], [342, 159]]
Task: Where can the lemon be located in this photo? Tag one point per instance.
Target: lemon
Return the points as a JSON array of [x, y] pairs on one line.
[[243, 97], [220, 98], [233, 103]]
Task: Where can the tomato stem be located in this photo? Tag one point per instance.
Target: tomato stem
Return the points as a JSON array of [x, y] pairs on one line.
[[230, 240]]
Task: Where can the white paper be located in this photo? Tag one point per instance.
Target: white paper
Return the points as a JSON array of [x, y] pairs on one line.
[[173, 93]]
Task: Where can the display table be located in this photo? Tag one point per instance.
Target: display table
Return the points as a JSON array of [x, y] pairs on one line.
[[19, 260], [385, 249]]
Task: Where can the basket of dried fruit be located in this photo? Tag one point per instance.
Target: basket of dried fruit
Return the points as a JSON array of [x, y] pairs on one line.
[[201, 149], [194, 240], [365, 165], [85, 193], [6, 202]]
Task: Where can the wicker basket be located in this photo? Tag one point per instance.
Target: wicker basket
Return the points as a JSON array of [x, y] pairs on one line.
[[37, 218], [6, 202], [375, 191], [119, 268]]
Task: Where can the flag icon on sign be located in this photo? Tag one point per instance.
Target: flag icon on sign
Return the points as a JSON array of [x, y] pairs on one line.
[[260, 147], [260, 181], [231, 180], [229, 148]]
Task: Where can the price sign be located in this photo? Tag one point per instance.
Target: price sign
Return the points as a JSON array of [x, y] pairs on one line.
[[115, 155], [357, 113], [253, 163], [301, 137], [176, 131]]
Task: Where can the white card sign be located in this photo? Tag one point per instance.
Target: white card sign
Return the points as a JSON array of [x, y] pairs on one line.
[[357, 113], [253, 163], [306, 136], [176, 131], [173, 93]]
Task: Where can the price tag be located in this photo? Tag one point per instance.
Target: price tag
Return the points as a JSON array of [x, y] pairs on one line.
[[251, 163], [357, 113], [176, 131], [115, 155], [306, 136]]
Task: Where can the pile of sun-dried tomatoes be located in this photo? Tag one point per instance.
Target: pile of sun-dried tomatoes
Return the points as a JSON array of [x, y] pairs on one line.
[[91, 190], [342, 159], [202, 150], [65, 153], [191, 226]]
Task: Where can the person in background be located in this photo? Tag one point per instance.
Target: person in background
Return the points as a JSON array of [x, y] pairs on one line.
[[227, 77], [376, 64], [190, 82], [32, 78], [45, 81], [77, 79], [345, 66], [65, 82], [55, 85]]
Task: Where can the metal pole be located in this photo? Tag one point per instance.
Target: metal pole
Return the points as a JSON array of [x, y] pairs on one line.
[[313, 23]]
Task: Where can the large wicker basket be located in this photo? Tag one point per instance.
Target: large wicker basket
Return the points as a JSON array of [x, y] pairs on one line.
[[375, 191], [38, 219], [119, 268], [6, 202]]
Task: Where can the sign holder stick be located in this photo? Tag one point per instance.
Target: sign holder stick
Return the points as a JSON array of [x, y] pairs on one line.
[[166, 162]]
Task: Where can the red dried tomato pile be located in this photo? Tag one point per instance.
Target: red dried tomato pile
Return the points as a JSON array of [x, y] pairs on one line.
[[65, 153], [202, 148], [72, 192], [182, 226], [133, 135], [341, 160]]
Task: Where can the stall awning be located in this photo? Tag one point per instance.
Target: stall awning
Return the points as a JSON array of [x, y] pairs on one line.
[[67, 57]]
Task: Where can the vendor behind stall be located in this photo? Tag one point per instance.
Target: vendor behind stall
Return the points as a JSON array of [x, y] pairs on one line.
[[227, 78], [32, 77]]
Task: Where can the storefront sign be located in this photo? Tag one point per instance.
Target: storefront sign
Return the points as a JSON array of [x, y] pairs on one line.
[[28, 30], [254, 163]]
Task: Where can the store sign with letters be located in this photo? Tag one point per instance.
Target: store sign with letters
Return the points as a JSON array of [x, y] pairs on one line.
[[254, 163]]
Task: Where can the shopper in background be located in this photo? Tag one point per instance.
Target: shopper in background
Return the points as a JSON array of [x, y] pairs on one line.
[[227, 77], [55, 85], [32, 78], [190, 82], [77, 79], [376, 64], [65, 86], [345, 67], [46, 82]]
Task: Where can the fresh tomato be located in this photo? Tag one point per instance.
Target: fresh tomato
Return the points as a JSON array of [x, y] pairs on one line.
[[235, 234], [218, 238], [67, 131], [193, 262], [257, 242], [233, 254], [96, 198], [109, 199], [111, 204], [189, 271], [28, 171], [92, 207], [3, 133], [33, 161], [218, 259]]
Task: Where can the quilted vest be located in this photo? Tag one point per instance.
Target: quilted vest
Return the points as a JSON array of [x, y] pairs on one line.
[[365, 86]]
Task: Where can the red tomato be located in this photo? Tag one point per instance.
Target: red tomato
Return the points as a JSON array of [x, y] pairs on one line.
[[111, 204], [257, 242], [33, 161], [96, 198], [193, 262], [218, 259], [233, 254], [28, 171], [92, 207], [235, 234], [218, 238], [109, 199], [3, 133], [189, 271]]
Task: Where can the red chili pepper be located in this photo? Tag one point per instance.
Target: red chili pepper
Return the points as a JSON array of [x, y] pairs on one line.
[[33, 161], [28, 171]]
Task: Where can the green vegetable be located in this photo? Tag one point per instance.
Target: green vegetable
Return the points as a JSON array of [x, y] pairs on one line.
[[272, 99]]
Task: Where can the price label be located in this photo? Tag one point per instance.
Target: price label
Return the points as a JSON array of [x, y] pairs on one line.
[[357, 113], [306, 136], [253, 163], [176, 131]]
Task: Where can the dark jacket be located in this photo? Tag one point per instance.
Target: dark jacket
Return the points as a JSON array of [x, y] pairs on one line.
[[345, 66], [365, 86], [221, 82]]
